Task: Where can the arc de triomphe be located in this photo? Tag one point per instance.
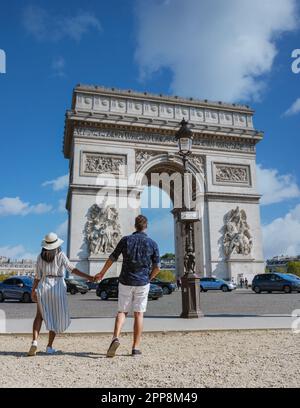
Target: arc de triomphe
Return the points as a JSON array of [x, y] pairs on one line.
[[110, 135]]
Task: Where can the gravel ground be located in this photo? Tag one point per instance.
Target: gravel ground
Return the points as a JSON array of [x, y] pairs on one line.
[[206, 359]]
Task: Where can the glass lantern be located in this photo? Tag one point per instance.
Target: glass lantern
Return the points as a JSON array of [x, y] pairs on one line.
[[184, 137]]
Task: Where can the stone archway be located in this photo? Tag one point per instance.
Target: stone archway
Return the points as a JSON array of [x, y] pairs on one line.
[[112, 136], [167, 171]]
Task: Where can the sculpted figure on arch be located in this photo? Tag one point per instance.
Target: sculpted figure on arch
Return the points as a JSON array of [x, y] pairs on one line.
[[237, 237]]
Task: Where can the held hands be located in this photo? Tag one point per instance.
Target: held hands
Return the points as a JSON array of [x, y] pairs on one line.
[[98, 277], [90, 278]]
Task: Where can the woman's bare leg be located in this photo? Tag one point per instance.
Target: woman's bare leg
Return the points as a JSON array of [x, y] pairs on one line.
[[37, 324], [52, 335]]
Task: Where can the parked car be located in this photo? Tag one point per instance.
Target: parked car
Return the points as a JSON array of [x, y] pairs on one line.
[[108, 288], [76, 286], [16, 287], [275, 282], [294, 276], [155, 292], [167, 287], [216, 284]]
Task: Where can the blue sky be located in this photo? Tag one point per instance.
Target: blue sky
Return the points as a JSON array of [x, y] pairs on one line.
[[192, 48]]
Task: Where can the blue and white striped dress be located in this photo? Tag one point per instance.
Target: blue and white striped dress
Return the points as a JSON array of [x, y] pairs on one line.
[[52, 292]]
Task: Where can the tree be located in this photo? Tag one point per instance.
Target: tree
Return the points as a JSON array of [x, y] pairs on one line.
[[166, 276], [168, 255], [5, 276], [294, 267]]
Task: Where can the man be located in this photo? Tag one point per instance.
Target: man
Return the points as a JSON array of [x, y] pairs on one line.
[[140, 265]]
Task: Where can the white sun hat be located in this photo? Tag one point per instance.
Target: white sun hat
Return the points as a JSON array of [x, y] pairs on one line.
[[51, 241]]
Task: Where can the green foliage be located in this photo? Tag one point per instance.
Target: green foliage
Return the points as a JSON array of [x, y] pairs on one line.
[[294, 267], [166, 275], [275, 268], [168, 255], [3, 277]]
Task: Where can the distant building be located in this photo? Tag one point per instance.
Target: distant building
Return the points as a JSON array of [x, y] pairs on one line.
[[280, 263], [16, 267], [167, 261]]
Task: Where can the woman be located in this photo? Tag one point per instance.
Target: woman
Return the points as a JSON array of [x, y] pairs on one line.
[[49, 291]]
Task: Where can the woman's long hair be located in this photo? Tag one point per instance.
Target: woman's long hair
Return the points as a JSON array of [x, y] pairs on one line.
[[48, 255]]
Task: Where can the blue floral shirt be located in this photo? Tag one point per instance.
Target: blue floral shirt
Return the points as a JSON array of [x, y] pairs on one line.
[[140, 254]]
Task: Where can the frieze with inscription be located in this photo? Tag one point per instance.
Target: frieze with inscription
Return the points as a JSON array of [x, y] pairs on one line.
[[205, 143]]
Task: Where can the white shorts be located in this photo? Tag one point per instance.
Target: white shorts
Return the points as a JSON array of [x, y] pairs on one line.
[[135, 297]]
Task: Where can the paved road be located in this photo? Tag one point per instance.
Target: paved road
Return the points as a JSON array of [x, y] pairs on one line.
[[239, 302]]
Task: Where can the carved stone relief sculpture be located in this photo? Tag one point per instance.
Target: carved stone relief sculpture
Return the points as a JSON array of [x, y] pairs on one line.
[[231, 174], [142, 156], [102, 229], [198, 161], [97, 163], [237, 238]]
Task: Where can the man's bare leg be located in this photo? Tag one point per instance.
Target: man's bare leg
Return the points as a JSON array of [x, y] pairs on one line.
[[120, 319], [137, 329]]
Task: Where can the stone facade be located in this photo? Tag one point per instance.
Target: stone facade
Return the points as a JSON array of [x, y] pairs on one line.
[[111, 133], [17, 267]]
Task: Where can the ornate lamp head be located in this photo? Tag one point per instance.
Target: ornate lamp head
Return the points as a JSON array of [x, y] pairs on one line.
[[184, 137]]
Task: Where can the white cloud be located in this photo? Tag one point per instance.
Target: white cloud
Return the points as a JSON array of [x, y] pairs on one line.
[[58, 67], [275, 187], [15, 206], [215, 49], [61, 205], [294, 109], [16, 252], [12, 206], [40, 208], [45, 26], [281, 236], [62, 230], [59, 183]]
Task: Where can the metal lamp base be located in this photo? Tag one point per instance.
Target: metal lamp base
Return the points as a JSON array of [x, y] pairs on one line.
[[190, 289]]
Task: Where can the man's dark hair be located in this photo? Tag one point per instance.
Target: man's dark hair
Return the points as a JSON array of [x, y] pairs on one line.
[[141, 223]]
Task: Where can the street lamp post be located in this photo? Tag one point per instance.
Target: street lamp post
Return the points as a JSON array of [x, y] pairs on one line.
[[190, 281]]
